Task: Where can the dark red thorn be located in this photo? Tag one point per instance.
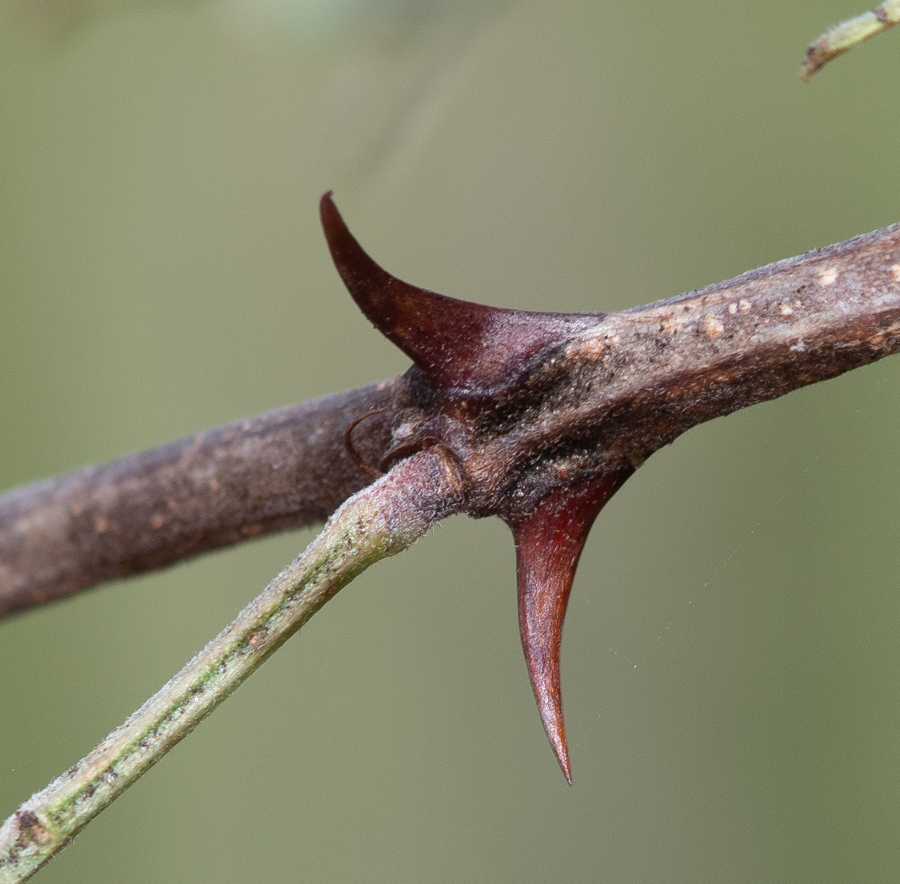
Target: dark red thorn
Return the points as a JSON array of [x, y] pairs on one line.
[[548, 546], [468, 351]]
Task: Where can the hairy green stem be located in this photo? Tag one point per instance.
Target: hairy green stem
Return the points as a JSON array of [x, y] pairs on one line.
[[379, 521], [848, 34]]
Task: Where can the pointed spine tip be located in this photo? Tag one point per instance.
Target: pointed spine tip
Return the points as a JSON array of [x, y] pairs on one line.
[[327, 208], [558, 743]]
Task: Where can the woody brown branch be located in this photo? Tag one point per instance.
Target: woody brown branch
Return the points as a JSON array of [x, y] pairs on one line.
[[599, 401], [284, 469]]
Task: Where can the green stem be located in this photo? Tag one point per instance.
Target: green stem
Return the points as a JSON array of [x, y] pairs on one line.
[[848, 34], [379, 521]]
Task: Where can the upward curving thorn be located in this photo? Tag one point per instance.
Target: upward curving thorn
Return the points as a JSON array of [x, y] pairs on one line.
[[467, 350]]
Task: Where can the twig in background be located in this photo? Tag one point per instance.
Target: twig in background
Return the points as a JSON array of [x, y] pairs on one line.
[[843, 37]]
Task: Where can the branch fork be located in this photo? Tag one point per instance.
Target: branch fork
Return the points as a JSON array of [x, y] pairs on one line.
[[548, 414]]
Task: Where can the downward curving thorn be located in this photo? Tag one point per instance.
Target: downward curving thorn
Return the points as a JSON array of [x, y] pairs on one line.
[[548, 546]]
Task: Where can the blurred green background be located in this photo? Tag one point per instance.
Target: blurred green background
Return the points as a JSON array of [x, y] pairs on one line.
[[732, 652]]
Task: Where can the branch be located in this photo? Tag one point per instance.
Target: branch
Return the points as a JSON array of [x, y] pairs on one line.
[[843, 37], [628, 384], [380, 521], [285, 469]]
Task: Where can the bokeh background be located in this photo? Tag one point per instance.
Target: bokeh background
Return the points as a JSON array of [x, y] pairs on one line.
[[732, 652]]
